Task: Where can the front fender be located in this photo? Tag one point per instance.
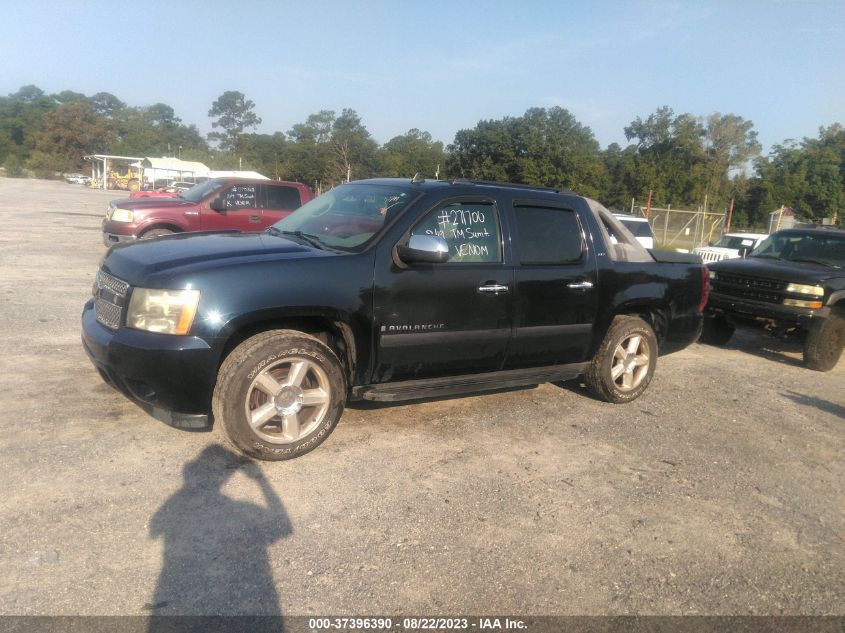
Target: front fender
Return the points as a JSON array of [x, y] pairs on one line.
[[349, 328]]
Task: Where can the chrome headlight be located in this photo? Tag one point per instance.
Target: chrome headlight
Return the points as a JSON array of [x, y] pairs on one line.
[[804, 289], [163, 311], [122, 215]]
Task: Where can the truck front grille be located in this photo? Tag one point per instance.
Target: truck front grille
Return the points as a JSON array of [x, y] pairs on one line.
[[707, 256], [117, 286], [108, 313], [753, 288], [110, 293]]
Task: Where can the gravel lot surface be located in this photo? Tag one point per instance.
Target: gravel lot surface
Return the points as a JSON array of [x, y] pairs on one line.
[[720, 491]]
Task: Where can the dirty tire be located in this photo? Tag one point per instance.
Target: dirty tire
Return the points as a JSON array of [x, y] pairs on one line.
[[156, 233], [629, 343], [310, 392], [717, 331], [824, 343]]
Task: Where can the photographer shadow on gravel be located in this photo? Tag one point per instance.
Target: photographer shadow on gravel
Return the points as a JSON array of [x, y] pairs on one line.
[[215, 547]]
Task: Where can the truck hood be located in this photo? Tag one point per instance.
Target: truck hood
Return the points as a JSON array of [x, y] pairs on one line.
[[782, 270], [137, 262], [160, 202]]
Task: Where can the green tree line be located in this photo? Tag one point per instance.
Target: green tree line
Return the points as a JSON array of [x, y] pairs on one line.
[[680, 159]]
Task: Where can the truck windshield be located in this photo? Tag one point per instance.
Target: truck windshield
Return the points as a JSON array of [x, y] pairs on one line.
[[348, 216], [196, 194], [814, 248], [734, 241]]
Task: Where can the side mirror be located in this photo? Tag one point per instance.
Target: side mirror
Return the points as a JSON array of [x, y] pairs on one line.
[[218, 204], [427, 249]]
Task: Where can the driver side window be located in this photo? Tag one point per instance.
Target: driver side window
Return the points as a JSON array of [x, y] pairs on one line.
[[239, 196], [471, 230]]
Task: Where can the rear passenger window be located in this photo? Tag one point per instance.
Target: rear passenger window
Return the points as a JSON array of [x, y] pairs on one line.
[[471, 229], [281, 197], [548, 236]]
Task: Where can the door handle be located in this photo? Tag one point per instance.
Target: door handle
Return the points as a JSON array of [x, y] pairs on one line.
[[254, 219], [493, 288], [580, 285]]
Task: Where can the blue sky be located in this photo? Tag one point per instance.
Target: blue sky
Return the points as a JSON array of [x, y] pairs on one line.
[[443, 66]]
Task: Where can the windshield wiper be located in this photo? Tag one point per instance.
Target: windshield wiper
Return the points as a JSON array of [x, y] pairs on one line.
[[813, 261], [313, 240], [766, 256]]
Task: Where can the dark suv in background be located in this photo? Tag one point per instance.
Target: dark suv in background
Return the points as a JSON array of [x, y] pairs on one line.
[[238, 204], [792, 284]]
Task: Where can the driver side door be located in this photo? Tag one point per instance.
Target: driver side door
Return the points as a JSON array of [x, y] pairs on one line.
[[449, 318], [243, 211]]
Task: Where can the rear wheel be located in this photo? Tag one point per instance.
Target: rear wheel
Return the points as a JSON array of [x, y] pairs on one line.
[[625, 361], [717, 331], [824, 343], [279, 394]]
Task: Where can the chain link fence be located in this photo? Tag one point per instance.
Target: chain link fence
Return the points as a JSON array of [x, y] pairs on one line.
[[681, 228]]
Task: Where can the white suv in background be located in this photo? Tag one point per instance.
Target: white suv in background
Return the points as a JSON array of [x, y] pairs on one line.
[[639, 227], [729, 246]]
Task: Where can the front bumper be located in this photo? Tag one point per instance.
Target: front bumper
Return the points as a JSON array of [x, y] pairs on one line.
[[110, 239], [747, 311], [117, 232], [170, 377]]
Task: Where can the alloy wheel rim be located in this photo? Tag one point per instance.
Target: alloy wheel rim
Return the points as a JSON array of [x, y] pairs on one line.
[[287, 400], [631, 361]]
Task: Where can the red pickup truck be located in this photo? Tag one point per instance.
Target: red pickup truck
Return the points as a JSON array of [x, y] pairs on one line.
[[218, 204]]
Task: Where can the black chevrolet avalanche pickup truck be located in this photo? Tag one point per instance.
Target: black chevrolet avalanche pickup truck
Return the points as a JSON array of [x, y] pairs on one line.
[[385, 290], [792, 284]]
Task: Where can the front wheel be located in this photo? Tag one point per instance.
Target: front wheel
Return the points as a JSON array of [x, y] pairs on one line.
[[156, 233], [279, 394], [824, 343], [624, 364]]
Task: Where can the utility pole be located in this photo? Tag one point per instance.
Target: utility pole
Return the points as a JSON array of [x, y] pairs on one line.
[[730, 215]]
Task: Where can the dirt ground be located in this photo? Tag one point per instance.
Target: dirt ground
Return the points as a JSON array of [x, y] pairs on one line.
[[720, 491]]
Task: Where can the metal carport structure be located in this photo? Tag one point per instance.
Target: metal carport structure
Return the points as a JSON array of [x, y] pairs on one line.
[[173, 168]]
